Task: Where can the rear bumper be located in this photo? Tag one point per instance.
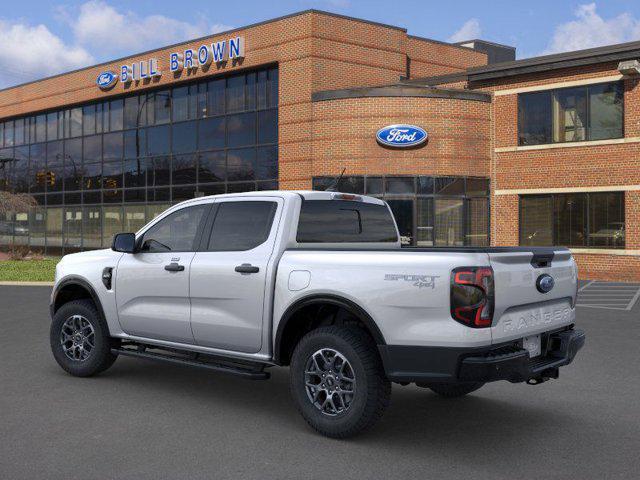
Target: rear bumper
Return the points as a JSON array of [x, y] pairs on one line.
[[408, 364]]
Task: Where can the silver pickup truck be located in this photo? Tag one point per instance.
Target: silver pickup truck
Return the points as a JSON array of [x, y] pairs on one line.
[[316, 281]]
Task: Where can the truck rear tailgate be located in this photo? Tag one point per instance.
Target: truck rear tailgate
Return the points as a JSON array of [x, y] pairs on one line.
[[521, 308]]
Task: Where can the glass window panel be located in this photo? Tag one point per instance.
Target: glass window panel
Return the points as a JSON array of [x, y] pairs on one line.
[[477, 234], [158, 140], [536, 220], [136, 195], [54, 227], [449, 222], [92, 149], [570, 115], [322, 183], [162, 109], [92, 197], [37, 167], [21, 228], [425, 185], [374, 186], [159, 171], [261, 89], [267, 163], [201, 103], [92, 227], [72, 173], [89, 124], [130, 115], [112, 224], [273, 87], [6, 229], [250, 89], [92, 176], [111, 176], [19, 131], [180, 104], [570, 217], [75, 122], [477, 187], [212, 189], [241, 225], [54, 178], [235, 93], [154, 210], [449, 185], [8, 134], [72, 198], [73, 227], [116, 115], [211, 133], [134, 218], [193, 101], [211, 167], [241, 129], [21, 169], [37, 226], [112, 196], [403, 214], [1, 134], [606, 220], [183, 193], [534, 118], [606, 111], [271, 185], [183, 137], [176, 232], [6, 167], [184, 169], [134, 173], [159, 195], [101, 117], [135, 143], [215, 97], [424, 227], [112, 146], [241, 164], [351, 185], [41, 128], [54, 199], [400, 185], [239, 187], [268, 126]]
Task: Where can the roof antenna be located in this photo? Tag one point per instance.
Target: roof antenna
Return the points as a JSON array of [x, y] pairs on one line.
[[336, 183]]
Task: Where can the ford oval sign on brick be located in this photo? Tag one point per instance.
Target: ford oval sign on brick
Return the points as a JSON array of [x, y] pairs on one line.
[[106, 80], [401, 136]]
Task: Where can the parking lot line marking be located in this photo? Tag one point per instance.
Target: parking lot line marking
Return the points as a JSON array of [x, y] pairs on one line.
[[586, 285], [604, 308], [634, 300]]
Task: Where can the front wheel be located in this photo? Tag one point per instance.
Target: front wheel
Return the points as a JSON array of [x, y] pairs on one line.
[[80, 340], [338, 382]]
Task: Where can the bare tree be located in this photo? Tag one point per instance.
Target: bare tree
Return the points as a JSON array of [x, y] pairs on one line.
[[15, 202]]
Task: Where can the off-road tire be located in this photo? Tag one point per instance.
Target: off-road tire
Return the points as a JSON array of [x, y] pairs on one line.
[[453, 390], [100, 358], [372, 388]]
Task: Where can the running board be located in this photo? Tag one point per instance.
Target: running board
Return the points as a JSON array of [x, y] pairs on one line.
[[244, 371]]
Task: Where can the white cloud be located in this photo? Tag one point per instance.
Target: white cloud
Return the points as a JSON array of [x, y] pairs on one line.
[[29, 52], [591, 30], [107, 31], [469, 31]]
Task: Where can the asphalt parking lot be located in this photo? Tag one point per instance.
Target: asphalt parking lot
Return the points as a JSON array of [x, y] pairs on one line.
[[146, 420]]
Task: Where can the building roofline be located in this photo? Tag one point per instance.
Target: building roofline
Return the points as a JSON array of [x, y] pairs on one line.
[[225, 32], [400, 90], [496, 44], [435, 79], [441, 42], [555, 61]]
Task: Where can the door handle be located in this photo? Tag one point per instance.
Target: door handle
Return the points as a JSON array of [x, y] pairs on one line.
[[174, 267], [247, 268]]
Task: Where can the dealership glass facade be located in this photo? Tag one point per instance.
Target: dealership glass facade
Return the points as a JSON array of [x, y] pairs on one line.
[[429, 211], [105, 167]]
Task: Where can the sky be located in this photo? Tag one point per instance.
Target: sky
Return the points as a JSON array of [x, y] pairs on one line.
[[39, 38]]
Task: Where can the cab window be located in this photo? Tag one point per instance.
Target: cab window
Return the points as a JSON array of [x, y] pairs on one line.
[[177, 232]]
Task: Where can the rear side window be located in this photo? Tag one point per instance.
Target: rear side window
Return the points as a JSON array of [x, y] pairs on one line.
[[340, 221], [241, 225]]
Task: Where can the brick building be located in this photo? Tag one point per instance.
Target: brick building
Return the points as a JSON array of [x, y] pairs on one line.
[[542, 151]]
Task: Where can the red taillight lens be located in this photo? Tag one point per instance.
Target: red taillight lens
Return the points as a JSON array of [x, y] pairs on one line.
[[472, 296]]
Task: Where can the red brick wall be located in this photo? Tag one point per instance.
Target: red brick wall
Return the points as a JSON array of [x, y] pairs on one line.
[[429, 58]]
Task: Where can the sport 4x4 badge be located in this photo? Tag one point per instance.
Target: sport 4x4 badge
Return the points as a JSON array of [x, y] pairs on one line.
[[419, 281]]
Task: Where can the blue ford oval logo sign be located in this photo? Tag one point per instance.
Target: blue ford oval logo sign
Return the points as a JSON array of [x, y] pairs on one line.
[[545, 283], [401, 136], [106, 80]]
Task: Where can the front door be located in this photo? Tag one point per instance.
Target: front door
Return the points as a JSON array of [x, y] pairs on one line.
[[229, 277], [152, 286]]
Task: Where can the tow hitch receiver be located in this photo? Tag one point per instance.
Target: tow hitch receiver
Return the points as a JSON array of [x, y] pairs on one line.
[[544, 376]]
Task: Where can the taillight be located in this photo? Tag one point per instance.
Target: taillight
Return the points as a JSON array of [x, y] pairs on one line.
[[472, 296]]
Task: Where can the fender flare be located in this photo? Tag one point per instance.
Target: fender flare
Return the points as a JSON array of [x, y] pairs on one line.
[[336, 300], [81, 282]]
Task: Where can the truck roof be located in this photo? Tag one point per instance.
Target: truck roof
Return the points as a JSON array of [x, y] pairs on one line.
[[305, 194]]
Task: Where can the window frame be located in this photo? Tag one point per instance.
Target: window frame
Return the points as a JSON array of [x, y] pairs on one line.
[[552, 92]]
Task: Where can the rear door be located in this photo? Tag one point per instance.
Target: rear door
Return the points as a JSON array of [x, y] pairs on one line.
[[523, 309], [152, 286], [229, 277]]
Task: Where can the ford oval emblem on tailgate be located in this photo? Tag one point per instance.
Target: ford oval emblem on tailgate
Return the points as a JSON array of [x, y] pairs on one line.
[[545, 283]]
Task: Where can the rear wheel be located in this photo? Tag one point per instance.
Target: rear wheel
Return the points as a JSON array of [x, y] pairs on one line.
[[452, 390], [338, 382], [80, 340]]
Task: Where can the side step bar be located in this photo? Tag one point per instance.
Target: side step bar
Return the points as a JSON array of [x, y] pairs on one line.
[[242, 370]]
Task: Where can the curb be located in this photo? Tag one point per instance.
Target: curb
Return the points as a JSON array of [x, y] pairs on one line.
[[27, 284]]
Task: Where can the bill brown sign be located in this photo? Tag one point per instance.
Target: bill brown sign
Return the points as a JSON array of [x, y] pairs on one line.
[[189, 59]]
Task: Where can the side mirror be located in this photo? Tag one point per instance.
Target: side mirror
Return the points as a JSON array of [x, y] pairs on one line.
[[124, 242]]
